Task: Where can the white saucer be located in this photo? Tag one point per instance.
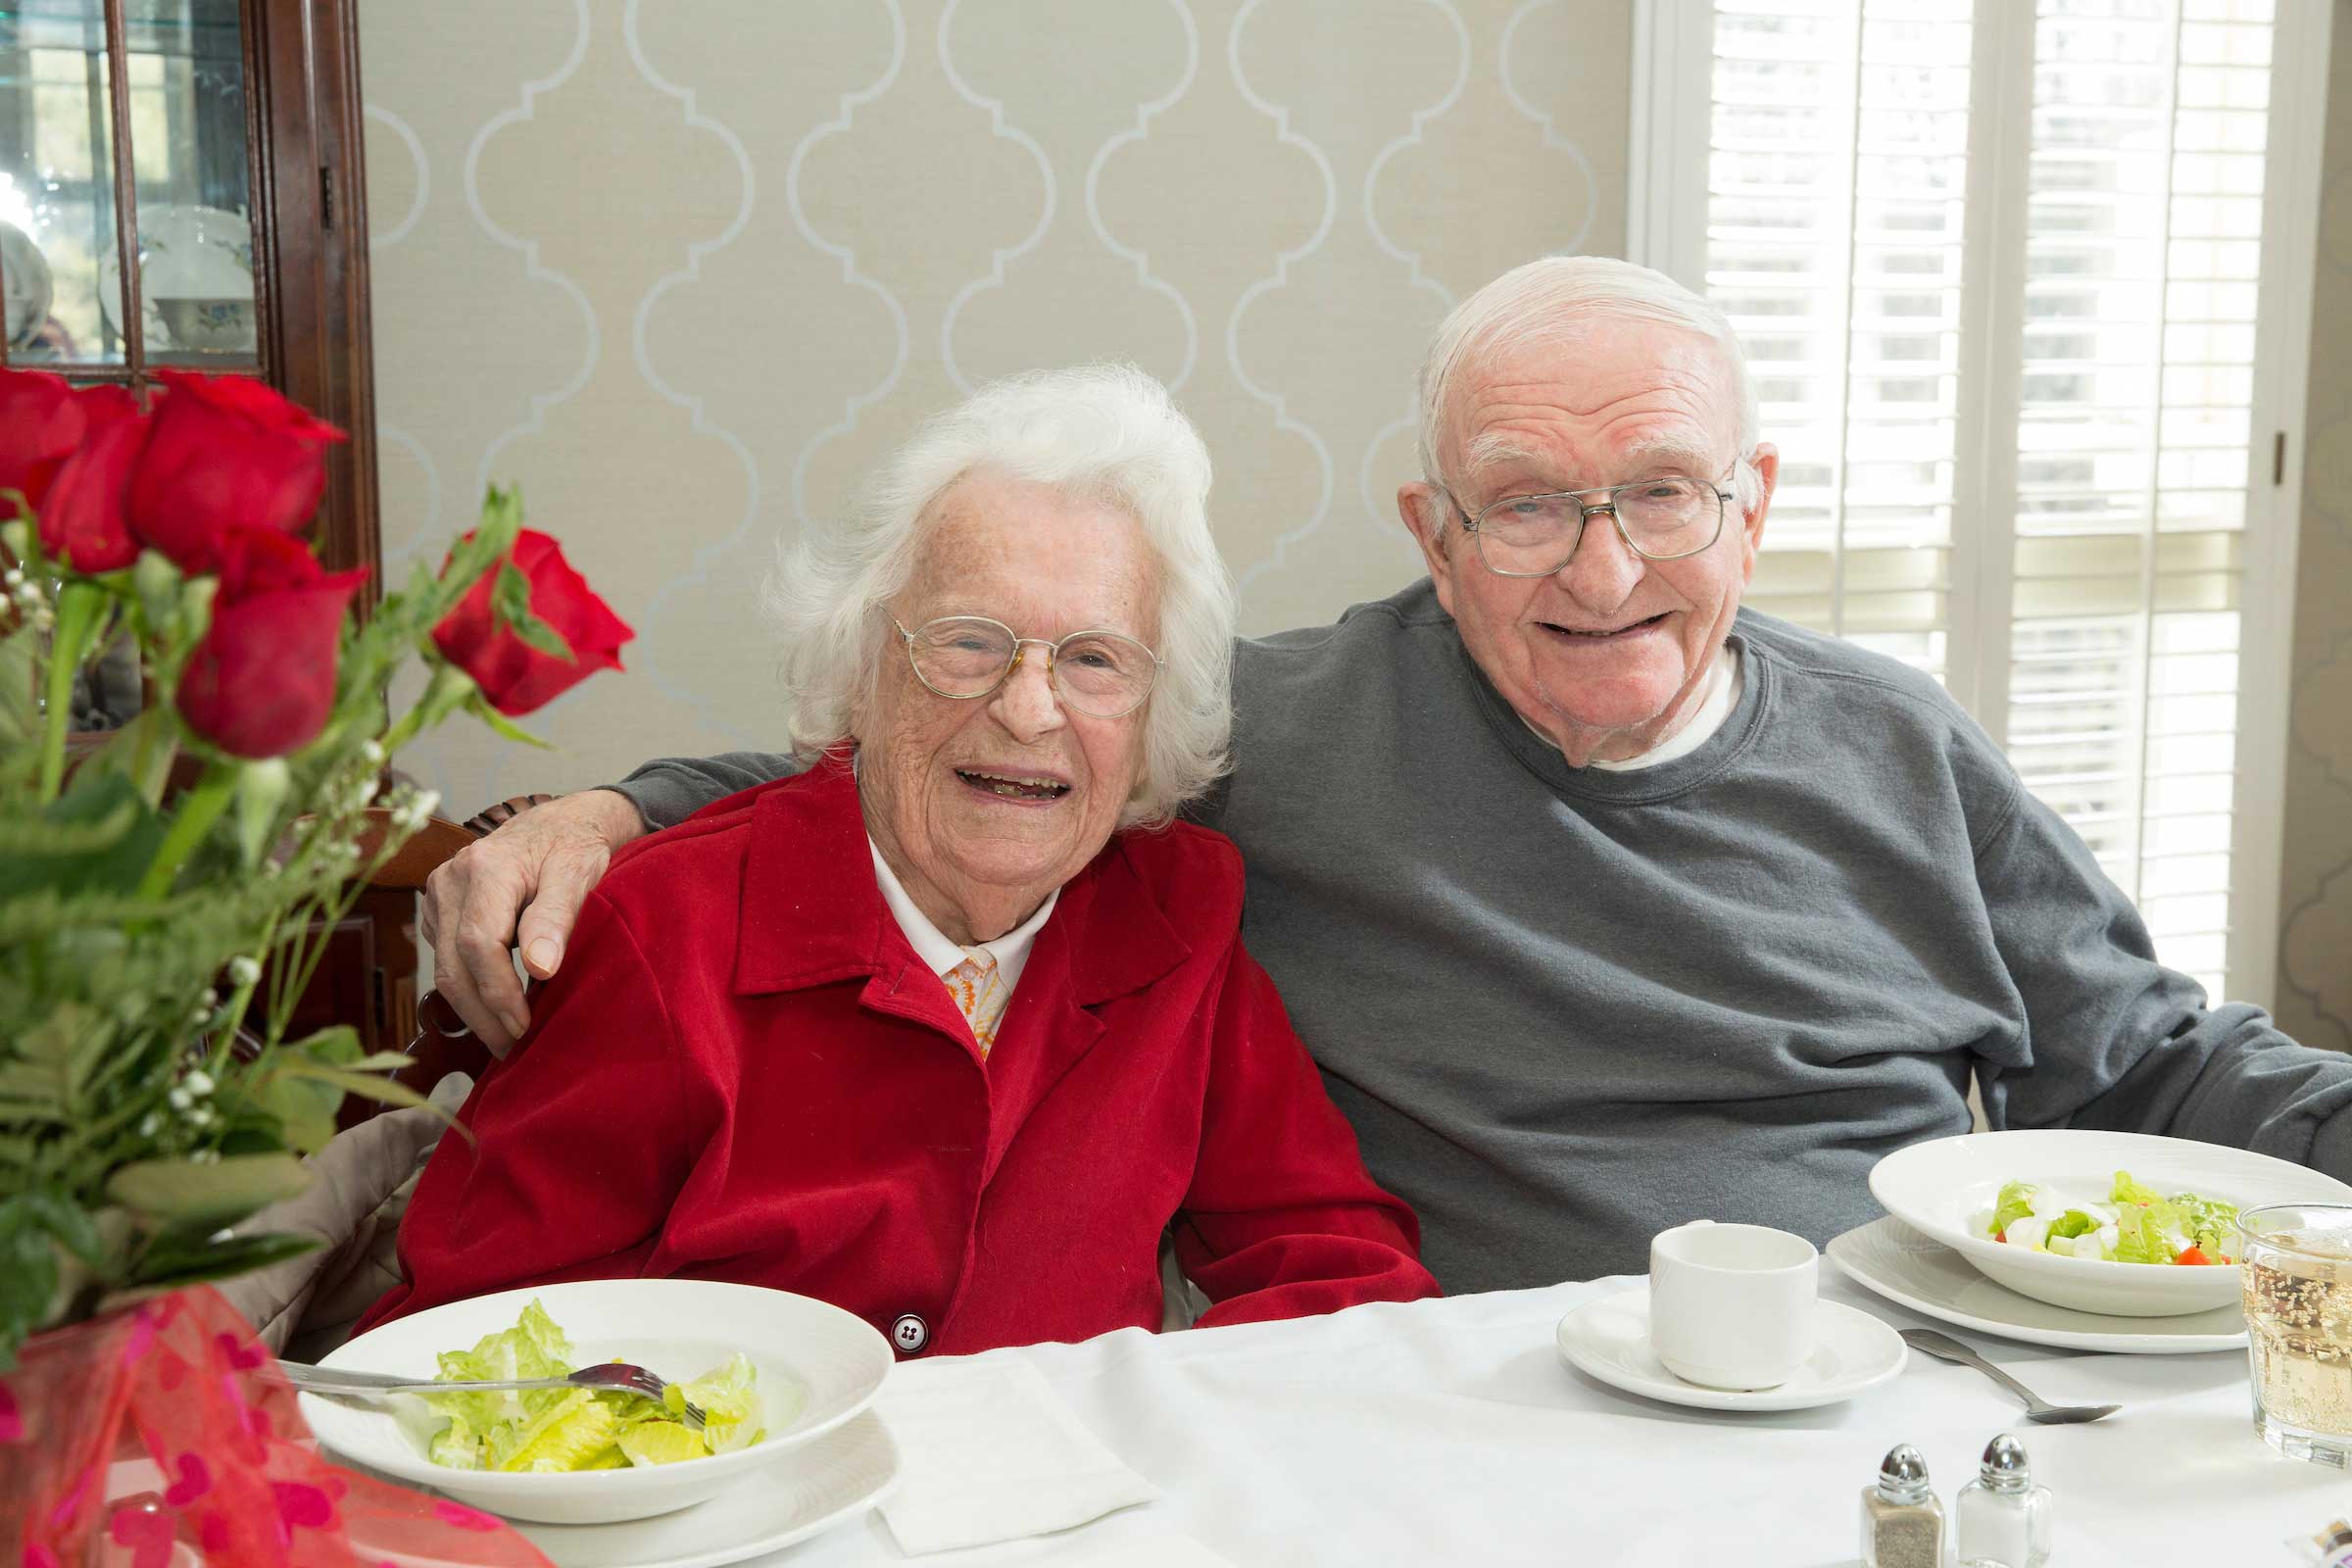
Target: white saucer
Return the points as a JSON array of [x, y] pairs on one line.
[[1610, 1339], [834, 1479], [1894, 1260]]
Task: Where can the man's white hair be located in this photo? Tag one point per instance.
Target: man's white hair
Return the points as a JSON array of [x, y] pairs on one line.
[[1104, 433], [1557, 299]]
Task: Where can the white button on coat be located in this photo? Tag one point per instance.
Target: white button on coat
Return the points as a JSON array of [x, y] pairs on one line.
[[909, 1333]]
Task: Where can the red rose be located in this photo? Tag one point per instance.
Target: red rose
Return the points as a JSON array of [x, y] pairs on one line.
[[41, 423], [82, 522], [226, 451], [263, 681], [515, 677]]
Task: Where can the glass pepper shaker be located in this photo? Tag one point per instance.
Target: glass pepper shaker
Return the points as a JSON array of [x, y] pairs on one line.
[[2003, 1517], [1902, 1522]]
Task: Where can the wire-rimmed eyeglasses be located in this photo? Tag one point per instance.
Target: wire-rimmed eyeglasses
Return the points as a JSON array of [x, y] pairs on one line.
[[1105, 674], [1661, 518]]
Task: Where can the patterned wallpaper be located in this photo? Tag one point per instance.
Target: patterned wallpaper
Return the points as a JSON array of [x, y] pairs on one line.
[[683, 268], [2314, 915]]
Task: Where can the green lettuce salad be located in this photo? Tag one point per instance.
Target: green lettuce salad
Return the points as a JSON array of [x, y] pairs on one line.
[[2133, 1224], [579, 1429]]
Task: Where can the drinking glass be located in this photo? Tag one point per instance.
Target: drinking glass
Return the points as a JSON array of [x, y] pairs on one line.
[[2295, 1269]]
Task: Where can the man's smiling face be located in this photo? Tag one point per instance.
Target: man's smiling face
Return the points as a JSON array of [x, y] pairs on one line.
[[1607, 656]]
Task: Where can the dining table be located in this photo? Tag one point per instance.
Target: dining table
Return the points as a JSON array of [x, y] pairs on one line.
[[1452, 1430]]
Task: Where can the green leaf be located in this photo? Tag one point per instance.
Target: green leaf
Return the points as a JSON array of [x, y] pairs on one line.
[[61, 1217], [510, 604], [501, 725], [141, 751], [336, 1046], [218, 1193], [19, 713], [68, 1044], [33, 1226], [28, 1282], [502, 520], [367, 1085], [303, 1109], [181, 1259], [381, 1062], [97, 838]]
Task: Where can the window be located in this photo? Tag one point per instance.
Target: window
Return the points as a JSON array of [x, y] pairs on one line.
[[2027, 293]]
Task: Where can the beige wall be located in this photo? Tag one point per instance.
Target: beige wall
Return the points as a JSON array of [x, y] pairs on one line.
[[684, 268], [2314, 946]]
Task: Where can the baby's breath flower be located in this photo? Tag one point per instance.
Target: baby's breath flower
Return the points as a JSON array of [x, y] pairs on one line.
[[43, 618], [373, 752], [13, 578], [151, 1124], [181, 1099], [244, 971], [201, 1116], [198, 1082]]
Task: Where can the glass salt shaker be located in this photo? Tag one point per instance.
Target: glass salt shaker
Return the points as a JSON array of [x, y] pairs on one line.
[[2003, 1517], [1902, 1522]]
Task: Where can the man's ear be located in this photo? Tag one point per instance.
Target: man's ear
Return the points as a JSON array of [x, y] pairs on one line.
[[1766, 461], [1426, 511]]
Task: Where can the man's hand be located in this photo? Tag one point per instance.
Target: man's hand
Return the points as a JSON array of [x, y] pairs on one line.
[[527, 880]]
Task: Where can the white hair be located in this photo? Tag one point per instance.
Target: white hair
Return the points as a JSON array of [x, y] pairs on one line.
[[1555, 299], [1105, 433]]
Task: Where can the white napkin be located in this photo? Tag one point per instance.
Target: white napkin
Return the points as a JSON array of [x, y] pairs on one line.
[[992, 1454], [1153, 1552]]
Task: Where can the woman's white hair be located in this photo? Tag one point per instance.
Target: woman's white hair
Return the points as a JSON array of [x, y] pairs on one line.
[[1105, 433], [1556, 299]]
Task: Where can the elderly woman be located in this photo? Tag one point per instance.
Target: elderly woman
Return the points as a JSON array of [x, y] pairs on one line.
[[950, 1028]]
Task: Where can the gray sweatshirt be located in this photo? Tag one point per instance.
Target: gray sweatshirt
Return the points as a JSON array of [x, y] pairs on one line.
[[1567, 1007]]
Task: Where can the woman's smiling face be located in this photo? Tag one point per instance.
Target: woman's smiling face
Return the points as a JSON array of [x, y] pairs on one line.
[[985, 805]]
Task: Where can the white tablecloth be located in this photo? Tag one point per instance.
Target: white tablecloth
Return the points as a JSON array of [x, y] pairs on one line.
[[1451, 1431]]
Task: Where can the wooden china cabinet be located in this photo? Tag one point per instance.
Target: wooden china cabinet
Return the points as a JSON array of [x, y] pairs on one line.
[[219, 144]]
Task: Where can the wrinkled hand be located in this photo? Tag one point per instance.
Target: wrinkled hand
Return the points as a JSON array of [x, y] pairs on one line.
[[524, 882]]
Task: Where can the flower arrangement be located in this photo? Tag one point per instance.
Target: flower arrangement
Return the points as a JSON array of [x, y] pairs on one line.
[[154, 943]]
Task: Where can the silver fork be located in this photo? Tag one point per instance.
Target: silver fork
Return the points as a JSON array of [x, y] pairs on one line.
[[616, 1377], [1944, 1348]]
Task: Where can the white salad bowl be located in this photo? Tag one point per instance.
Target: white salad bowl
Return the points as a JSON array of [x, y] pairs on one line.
[[819, 1366], [1938, 1188]]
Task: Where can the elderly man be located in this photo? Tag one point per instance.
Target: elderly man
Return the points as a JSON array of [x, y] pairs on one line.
[[1601, 903]]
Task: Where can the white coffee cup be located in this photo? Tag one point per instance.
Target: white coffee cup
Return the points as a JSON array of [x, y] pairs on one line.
[[1731, 1306]]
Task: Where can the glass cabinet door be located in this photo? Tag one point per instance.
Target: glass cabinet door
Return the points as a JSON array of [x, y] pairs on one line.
[[181, 114]]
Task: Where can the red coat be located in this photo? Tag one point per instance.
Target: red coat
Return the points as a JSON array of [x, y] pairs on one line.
[[746, 1074]]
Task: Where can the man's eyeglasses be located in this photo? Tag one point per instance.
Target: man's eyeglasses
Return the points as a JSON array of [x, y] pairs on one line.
[[1102, 673], [1664, 518]]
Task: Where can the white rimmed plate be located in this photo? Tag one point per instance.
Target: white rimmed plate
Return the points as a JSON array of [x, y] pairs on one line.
[[833, 1479], [818, 1367], [1609, 1339], [1936, 1187], [1891, 1259]]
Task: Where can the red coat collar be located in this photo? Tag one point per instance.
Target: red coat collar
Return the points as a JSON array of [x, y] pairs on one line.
[[812, 914]]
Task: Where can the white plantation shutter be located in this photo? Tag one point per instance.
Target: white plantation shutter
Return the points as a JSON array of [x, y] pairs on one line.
[[2026, 289]]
